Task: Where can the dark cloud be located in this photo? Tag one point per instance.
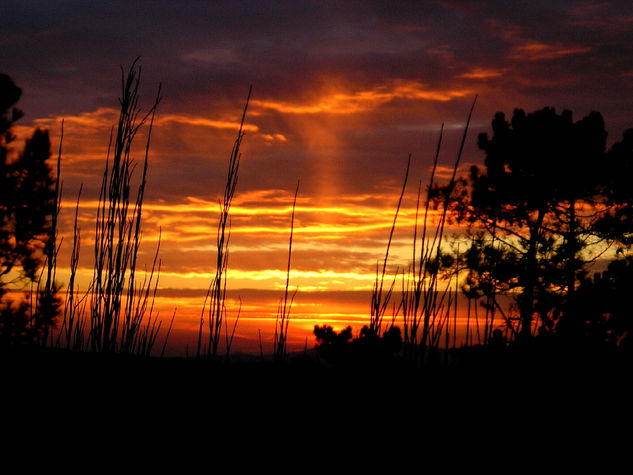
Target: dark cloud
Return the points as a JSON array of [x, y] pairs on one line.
[[66, 57]]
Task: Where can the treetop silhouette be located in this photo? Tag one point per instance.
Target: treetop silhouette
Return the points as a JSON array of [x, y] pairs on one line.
[[28, 202], [542, 198]]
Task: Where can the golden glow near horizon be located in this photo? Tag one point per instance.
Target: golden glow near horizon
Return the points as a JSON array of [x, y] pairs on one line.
[[332, 245], [335, 249], [340, 235]]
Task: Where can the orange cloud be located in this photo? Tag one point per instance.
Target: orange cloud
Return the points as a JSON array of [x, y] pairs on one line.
[[350, 103], [536, 51], [259, 230], [481, 73], [86, 134], [203, 122]]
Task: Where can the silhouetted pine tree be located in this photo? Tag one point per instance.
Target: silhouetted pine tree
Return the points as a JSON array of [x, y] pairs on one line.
[[28, 204], [540, 169]]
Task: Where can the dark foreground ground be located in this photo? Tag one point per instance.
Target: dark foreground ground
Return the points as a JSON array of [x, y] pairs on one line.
[[481, 371], [502, 410], [473, 391]]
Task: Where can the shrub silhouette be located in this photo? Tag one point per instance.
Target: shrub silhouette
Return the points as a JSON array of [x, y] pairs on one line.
[[332, 346], [369, 347], [603, 310]]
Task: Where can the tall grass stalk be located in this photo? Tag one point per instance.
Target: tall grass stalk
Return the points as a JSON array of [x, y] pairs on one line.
[[285, 305], [423, 301], [171, 324], [215, 299], [73, 326], [230, 336], [380, 296], [426, 304], [48, 302], [120, 320]]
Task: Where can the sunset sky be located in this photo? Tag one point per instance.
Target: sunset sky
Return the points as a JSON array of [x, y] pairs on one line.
[[343, 92]]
